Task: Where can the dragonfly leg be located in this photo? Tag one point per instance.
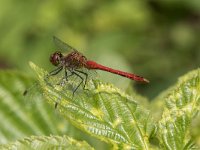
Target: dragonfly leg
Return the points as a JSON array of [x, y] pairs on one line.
[[62, 82], [64, 78], [66, 75], [86, 77], [52, 73], [55, 72], [79, 83]]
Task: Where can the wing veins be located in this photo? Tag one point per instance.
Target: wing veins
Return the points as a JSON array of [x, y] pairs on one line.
[[62, 45]]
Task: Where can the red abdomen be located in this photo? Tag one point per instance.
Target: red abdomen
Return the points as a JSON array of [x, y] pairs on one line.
[[94, 65]]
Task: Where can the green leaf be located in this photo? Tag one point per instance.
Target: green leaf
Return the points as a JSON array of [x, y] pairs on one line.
[[21, 117], [182, 105], [45, 142], [102, 111]]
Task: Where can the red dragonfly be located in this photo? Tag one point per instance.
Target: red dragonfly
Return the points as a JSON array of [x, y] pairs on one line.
[[74, 61]]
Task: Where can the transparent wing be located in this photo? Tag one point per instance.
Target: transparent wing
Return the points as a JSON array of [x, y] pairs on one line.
[[62, 45]]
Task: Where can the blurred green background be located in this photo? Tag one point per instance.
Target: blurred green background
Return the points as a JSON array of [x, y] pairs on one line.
[[159, 40]]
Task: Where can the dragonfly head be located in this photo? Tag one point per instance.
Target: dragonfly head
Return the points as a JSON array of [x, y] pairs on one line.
[[55, 58]]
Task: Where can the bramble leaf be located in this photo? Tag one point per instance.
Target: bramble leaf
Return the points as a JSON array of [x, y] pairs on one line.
[[102, 111], [22, 116], [182, 105], [45, 142]]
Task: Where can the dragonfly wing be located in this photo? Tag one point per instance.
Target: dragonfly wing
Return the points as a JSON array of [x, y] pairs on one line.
[[62, 45]]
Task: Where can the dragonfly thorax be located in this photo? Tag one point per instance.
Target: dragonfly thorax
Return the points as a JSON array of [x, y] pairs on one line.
[[74, 60]]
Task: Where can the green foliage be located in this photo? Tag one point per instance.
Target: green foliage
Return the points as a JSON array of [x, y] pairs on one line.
[[156, 39], [102, 111], [24, 116], [51, 142], [182, 105], [106, 113]]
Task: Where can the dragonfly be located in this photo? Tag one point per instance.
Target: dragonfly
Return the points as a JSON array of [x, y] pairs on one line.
[[74, 61]]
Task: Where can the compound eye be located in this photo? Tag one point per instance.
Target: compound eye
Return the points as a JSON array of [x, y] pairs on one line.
[[55, 58]]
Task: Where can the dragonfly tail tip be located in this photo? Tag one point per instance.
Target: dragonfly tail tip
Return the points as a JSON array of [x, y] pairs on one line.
[[145, 80]]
